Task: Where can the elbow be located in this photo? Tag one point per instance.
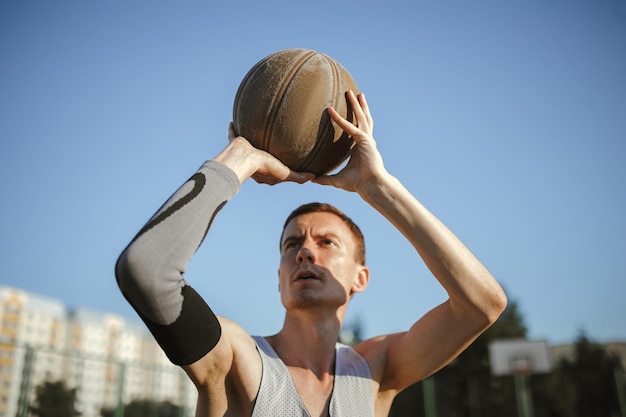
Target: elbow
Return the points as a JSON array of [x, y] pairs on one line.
[[137, 280], [132, 271], [124, 269], [496, 305], [485, 310], [480, 313], [491, 301]]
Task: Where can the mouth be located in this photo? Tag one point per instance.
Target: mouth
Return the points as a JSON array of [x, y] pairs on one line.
[[306, 276]]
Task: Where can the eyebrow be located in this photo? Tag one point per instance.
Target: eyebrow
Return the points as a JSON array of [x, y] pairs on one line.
[[329, 234], [291, 238], [300, 237]]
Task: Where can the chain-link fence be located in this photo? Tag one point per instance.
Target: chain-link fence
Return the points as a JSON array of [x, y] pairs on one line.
[[102, 385]]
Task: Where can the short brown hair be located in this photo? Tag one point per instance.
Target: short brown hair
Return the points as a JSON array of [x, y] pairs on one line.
[[328, 208]]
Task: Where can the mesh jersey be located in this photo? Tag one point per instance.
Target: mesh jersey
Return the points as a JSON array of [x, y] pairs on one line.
[[352, 395]]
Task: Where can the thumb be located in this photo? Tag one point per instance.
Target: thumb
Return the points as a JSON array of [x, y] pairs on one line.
[[332, 180]]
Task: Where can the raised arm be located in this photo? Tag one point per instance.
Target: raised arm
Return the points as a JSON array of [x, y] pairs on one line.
[[475, 298], [150, 271]]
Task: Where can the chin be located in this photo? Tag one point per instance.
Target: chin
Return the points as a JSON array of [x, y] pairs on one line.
[[306, 302]]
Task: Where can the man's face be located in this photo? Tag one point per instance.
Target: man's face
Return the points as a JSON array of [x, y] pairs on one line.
[[318, 266]]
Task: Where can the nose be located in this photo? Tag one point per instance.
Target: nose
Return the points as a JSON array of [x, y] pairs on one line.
[[305, 254]]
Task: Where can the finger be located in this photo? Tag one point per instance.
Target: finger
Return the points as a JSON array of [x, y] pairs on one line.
[[358, 134], [335, 180], [231, 131], [361, 118], [323, 179], [300, 177], [346, 125], [263, 179], [366, 110], [292, 176], [274, 168]]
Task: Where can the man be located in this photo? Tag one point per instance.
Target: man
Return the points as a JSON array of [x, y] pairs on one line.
[[301, 371]]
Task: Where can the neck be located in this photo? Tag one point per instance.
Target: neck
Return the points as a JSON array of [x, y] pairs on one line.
[[308, 342]]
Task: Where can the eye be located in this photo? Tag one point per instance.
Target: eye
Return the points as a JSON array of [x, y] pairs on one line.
[[291, 244], [329, 242]]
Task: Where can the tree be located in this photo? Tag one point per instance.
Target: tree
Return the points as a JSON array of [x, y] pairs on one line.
[[581, 386], [465, 388], [145, 408], [352, 333], [589, 380], [54, 399]]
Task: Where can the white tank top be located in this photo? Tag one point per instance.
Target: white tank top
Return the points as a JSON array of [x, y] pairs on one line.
[[352, 395]]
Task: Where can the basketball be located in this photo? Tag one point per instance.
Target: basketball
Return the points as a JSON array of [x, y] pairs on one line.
[[281, 107]]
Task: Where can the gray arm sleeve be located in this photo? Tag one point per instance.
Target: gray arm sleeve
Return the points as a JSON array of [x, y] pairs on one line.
[[150, 270]]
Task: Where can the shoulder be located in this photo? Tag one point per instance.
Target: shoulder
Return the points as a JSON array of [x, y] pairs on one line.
[[229, 376], [351, 362], [234, 361], [375, 351]]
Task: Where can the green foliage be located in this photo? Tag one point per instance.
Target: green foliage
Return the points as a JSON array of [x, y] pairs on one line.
[[54, 399], [145, 408], [352, 333], [589, 380], [582, 386], [465, 388], [473, 390]]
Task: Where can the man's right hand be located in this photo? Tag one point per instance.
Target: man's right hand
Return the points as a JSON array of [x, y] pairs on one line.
[[247, 161]]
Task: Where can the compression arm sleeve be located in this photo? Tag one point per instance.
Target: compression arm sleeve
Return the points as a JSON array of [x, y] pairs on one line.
[[150, 270]]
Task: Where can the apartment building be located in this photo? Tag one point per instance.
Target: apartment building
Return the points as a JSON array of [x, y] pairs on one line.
[[28, 322], [107, 359]]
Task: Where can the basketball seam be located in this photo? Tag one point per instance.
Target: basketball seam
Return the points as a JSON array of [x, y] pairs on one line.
[[244, 85], [317, 148], [278, 98]]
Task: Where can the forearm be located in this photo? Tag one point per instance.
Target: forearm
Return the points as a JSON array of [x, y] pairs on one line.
[[468, 283], [150, 270]]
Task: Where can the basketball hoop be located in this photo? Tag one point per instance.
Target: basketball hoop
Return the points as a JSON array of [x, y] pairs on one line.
[[520, 358], [520, 366]]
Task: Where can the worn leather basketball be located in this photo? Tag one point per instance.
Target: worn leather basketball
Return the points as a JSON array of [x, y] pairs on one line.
[[281, 107]]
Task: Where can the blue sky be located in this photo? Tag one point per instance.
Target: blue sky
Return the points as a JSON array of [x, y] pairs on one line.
[[506, 118]]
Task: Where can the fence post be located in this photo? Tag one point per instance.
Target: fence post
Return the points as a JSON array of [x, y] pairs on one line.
[[22, 402], [428, 388], [473, 396], [524, 403], [621, 390], [119, 410], [182, 394]]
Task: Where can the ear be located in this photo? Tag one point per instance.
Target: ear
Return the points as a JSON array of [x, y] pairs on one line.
[[361, 280]]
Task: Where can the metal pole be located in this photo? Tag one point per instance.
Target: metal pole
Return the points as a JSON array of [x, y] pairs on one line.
[[154, 390], [23, 400], [621, 390], [119, 410], [521, 389], [182, 409], [473, 396], [428, 388]]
